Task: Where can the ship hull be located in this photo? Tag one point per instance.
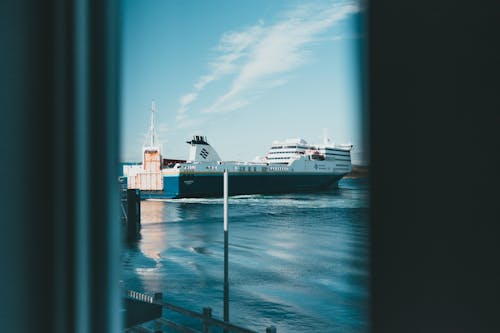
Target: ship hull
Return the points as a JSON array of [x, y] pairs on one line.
[[210, 185]]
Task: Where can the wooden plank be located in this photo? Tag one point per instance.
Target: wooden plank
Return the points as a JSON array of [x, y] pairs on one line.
[[210, 321], [177, 327]]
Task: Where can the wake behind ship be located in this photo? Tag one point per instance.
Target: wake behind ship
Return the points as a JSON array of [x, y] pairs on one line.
[[289, 166]]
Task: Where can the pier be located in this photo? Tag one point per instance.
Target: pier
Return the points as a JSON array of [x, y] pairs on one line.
[[142, 309]]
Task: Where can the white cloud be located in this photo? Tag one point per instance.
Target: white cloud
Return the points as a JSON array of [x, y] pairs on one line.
[[188, 99], [258, 56], [232, 47], [282, 48], [336, 38], [203, 81]]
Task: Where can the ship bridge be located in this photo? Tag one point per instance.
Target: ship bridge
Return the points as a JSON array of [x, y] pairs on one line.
[[287, 151]]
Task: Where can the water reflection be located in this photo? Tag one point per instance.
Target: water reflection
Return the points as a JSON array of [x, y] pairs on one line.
[[299, 262]]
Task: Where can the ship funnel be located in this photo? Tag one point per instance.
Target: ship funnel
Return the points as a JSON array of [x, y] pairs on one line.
[[201, 151]]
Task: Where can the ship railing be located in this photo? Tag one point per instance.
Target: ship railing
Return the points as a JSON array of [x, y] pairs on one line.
[[205, 317], [143, 297]]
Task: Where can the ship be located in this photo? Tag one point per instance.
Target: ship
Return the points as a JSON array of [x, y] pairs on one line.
[[290, 166]]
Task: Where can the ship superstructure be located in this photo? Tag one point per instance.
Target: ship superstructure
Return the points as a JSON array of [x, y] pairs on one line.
[[287, 152]]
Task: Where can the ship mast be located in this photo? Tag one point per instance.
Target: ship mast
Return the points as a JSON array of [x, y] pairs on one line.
[[152, 130]]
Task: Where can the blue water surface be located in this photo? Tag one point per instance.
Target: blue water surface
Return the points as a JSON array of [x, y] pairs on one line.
[[299, 262]]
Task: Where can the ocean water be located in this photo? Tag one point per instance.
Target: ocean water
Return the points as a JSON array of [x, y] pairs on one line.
[[299, 262]]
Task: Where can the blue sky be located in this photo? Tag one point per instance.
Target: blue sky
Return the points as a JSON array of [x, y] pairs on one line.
[[242, 73]]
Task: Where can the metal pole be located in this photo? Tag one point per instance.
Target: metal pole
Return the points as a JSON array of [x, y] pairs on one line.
[[207, 313], [226, 283]]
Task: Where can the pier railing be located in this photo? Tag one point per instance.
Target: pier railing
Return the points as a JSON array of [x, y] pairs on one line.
[[205, 317]]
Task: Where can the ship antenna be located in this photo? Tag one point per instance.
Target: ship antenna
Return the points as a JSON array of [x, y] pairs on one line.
[[152, 130]]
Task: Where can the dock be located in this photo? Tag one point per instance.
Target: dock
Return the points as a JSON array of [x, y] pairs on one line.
[[143, 310], [130, 206]]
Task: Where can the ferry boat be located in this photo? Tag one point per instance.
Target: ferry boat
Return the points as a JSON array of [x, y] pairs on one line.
[[292, 165]]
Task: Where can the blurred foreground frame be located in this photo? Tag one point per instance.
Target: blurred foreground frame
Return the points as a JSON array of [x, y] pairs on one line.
[[434, 73], [60, 241]]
